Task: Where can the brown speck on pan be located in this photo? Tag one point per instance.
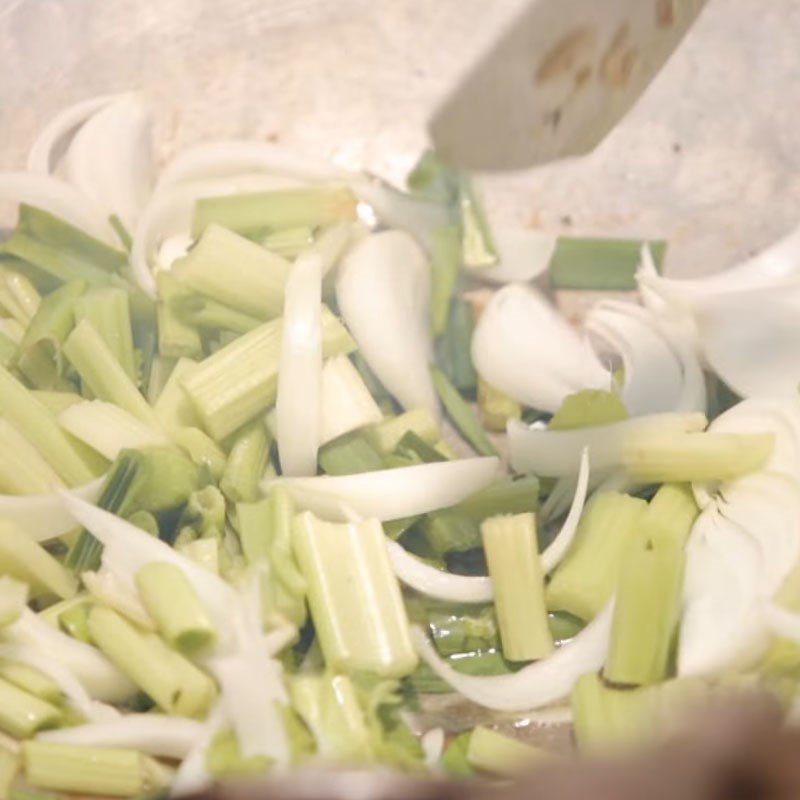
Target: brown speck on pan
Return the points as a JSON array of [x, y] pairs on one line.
[[553, 118], [565, 55], [677, 148], [274, 136], [582, 76], [665, 13], [566, 220]]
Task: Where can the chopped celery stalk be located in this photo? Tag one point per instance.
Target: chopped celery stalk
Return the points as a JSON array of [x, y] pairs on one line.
[[586, 408], [648, 599], [10, 765], [496, 753], [202, 449], [450, 531], [173, 407], [122, 232], [349, 454], [459, 629], [41, 429], [454, 759], [30, 680], [418, 450], [205, 511], [22, 469], [8, 350], [108, 310], [235, 272], [445, 262], [512, 555], [158, 671], [237, 382], [108, 771], [599, 264], [386, 435], [204, 552], [23, 558], [375, 387], [495, 408], [310, 207], [354, 596], [75, 622], [13, 600], [144, 520], [504, 496], [22, 714], [160, 369], [453, 349], [588, 575], [56, 402], [103, 374], [432, 180], [477, 244], [224, 759], [289, 242], [246, 464], [174, 606], [346, 401], [108, 429], [462, 415], [205, 313], [18, 296], [690, 457], [176, 338]]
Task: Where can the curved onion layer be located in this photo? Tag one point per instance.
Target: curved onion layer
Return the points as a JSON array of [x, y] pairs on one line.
[[298, 407], [536, 685], [523, 255], [524, 348], [43, 516], [391, 493], [383, 289]]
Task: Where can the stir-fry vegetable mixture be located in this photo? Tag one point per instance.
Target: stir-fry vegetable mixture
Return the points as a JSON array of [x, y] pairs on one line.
[[257, 500]]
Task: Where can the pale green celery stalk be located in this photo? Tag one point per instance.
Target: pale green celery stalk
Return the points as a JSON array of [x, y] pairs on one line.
[[40, 428], [28, 561], [234, 384], [445, 263], [161, 368], [224, 759], [647, 607], [22, 469], [453, 354], [103, 374], [22, 714], [496, 408], [290, 242], [354, 596], [8, 350], [599, 264], [517, 495], [689, 457], [235, 272], [310, 207], [105, 771], [587, 577], [247, 461], [122, 232], [432, 180], [347, 404], [173, 407], [586, 408], [174, 606], [386, 435], [176, 338], [145, 520], [205, 511], [75, 622], [30, 680], [18, 295], [56, 402], [158, 671], [477, 245], [202, 551], [108, 310], [498, 754], [462, 415], [349, 454], [206, 313], [202, 449], [10, 765], [13, 600], [512, 555]]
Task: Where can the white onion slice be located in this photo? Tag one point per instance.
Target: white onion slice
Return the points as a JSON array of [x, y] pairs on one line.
[[383, 289], [391, 493], [524, 254], [192, 775], [432, 743], [298, 409], [781, 623], [525, 348], [536, 685]]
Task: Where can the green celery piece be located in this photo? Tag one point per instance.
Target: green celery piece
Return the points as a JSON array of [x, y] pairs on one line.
[[386, 435], [431, 180], [495, 409], [75, 622], [173, 407], [8, 350], [204, 313], [56, 402], [240, 380], [453, 348], [395, 528], [22, 469], [458, 629], [19, 298], [176, 338], [375, 387], [10, 765], [202, 449], [108, 310], [462, 415], [516, 495], [161, 368], [454, 760], [40, 427], [354, 597], [205, 511], [301, 741], [450, 531], [349, 454], [416, 448], [600, 264], [648, 599], [31, 680], [122, 232], [780, 665], [22, 714], [512, 556], [477, 243], [247, 462], [287, 243], [275, 210], [445, 263], [146, 521], [224, 759], [564, 626], [587, 408], [498, 754], [587, 577]]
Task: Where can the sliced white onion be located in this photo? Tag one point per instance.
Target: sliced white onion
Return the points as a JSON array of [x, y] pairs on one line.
[[525, 348], [114, 593], [557, 453], [432, 743], [192, 775], [391, 493], [781, 623], [383, 289], [346, 401], [110, 158], [154, 734], [298, 409], [524, 254], [536, 685], [51, 142], [58, 198]]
